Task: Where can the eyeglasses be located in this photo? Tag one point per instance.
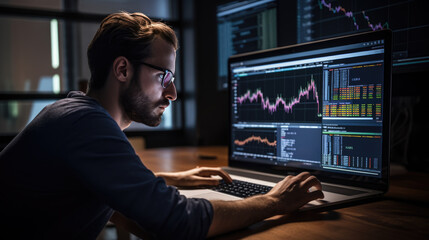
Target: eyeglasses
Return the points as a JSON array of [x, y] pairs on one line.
[[168, 76]]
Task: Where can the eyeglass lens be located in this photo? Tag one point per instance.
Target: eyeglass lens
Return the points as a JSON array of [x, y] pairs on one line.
[[168, 78]]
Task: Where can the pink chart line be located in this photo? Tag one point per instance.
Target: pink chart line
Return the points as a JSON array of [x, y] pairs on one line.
[[288, 107], [349, 14]]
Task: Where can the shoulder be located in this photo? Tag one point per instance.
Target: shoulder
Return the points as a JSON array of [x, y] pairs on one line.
[[91, 131], [77, 108], [74, 117], [76, 102], [85, 113]]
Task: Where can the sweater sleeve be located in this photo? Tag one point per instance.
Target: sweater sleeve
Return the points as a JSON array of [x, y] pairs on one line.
[[103, 161]]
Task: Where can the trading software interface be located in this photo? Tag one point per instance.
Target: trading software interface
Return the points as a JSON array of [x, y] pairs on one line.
[[250, 25], [320, 109]]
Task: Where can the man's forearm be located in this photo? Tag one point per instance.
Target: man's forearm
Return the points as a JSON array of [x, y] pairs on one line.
[[232, 215], [168, 177]]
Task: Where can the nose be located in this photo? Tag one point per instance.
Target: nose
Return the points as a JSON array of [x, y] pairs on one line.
[[170, 92]]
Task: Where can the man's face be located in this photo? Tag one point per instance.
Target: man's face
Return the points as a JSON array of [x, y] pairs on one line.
[[145, 100]]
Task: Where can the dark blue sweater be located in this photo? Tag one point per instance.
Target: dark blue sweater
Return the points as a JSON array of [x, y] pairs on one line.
[[65, 173]]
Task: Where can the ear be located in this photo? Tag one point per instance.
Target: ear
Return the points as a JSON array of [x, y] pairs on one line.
[[122, 69]]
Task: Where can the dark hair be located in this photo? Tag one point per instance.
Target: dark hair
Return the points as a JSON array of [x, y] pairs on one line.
[[123, 34]]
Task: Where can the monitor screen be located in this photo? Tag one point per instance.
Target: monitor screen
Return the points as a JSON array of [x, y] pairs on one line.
[[318, 106], [320, 19], [250, 25], [244, 26]]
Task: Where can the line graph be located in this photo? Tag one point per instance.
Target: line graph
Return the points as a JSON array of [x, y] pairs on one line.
[[287, 104], [257, 139], [339, 9], [321, 19], [280, 96]]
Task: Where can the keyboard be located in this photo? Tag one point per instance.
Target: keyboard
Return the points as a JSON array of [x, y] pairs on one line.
[[241, 188]]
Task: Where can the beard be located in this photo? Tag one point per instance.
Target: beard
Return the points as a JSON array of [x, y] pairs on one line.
[[138, 107]]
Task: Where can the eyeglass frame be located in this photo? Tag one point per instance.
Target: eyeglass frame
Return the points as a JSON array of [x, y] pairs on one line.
[[165, 70]]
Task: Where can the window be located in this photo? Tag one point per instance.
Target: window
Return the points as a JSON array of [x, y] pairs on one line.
[[43, 56]]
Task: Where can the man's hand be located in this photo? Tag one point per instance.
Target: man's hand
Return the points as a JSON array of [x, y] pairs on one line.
[[294, 192], [286, 196], [200, 176]]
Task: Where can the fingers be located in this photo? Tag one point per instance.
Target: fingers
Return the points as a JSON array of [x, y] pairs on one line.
[[204, 181], [318, 194], [311, 181], [302, 176], [305, 181], [308, 181], [201, 177], [215, 171]]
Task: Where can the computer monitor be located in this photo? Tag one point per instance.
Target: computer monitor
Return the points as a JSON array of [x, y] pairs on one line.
[[250, 25], [322, 106], [244, 26]]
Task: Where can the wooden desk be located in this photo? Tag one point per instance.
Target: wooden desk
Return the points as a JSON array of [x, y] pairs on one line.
[[403, 213]]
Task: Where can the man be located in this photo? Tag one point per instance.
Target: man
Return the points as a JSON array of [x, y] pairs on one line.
[[66, 173]]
